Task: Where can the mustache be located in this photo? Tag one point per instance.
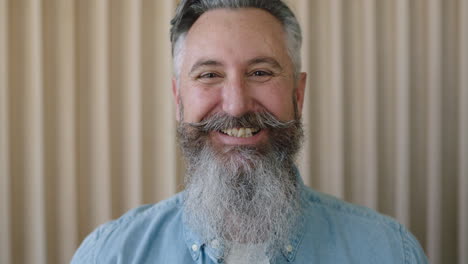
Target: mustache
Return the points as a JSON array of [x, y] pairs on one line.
[[261, 120]]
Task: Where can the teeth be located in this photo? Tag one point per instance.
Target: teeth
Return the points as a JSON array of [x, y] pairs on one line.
[[240, 132]]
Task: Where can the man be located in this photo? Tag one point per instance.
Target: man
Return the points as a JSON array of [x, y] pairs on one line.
[[239, 92]]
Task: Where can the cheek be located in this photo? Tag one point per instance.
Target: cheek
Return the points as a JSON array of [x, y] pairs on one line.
[[278, 100], [197, 103]]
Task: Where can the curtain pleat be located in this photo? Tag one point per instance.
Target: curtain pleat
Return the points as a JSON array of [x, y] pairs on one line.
[[5, 181], [359, 87], [66, 144], [433, 40], [33, 147], [463, 139], [126, 91], [87, 125], [131, 106], [401, 98], [330, 75], [450, 58], [360, 130], [162, 162], [96, 145]]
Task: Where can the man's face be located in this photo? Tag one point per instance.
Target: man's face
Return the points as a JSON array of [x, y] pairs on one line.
[[236, 74], [235, 62]]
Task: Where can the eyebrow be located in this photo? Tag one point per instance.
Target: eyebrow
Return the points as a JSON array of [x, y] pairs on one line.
[[204, 62], [258, 60], [268, 60]]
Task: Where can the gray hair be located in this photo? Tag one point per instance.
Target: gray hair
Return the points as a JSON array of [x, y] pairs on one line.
[[188, 11]]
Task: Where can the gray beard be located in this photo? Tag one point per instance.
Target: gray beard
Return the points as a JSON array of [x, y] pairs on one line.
[[242, 194]]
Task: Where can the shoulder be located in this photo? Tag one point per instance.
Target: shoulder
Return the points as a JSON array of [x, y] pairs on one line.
[[134, 229], [348, 226], [161, 213], [163, 210], [325, 203]]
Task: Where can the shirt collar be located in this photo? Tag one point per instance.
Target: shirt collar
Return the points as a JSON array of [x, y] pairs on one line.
[[216, 250], [196, 246]]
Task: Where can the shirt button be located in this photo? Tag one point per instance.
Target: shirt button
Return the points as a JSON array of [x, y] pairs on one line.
[[289, 248], [194, 247]]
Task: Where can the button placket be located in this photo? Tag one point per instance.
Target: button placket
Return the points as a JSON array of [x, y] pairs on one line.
[[195, 251]]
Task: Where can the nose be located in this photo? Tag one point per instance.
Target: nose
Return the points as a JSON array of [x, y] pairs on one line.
[[237, 100]]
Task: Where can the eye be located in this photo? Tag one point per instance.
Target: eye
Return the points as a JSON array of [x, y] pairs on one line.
[[208, 75], [260, 75]]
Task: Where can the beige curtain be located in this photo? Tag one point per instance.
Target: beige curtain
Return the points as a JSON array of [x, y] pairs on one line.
[[87, 126]]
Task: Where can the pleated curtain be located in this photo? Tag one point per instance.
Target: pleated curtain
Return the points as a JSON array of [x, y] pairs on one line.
[[87, 125]]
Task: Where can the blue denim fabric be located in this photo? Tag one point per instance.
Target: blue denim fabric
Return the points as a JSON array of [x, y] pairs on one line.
[[332, 232]]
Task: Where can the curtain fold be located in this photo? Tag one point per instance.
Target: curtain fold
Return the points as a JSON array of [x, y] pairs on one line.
[[87, 125], [463, 131], [5, 182]]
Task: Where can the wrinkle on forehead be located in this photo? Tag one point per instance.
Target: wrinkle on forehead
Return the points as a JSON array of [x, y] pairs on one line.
[[258, 32]]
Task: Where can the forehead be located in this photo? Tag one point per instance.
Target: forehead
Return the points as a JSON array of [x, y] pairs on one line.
[[236, 33]]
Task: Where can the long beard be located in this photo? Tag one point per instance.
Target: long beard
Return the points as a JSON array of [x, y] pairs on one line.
[[242, 194]]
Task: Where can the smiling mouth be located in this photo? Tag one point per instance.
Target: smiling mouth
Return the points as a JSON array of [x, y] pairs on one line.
[[243, 132]]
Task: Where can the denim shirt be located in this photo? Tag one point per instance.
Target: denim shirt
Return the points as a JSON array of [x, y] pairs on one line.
[[332, 231]]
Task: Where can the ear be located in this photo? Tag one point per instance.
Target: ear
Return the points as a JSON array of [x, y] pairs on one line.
[[176, 97], [300, 90]]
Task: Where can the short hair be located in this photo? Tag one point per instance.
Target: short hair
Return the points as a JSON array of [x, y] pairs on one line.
[[188, 11]]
